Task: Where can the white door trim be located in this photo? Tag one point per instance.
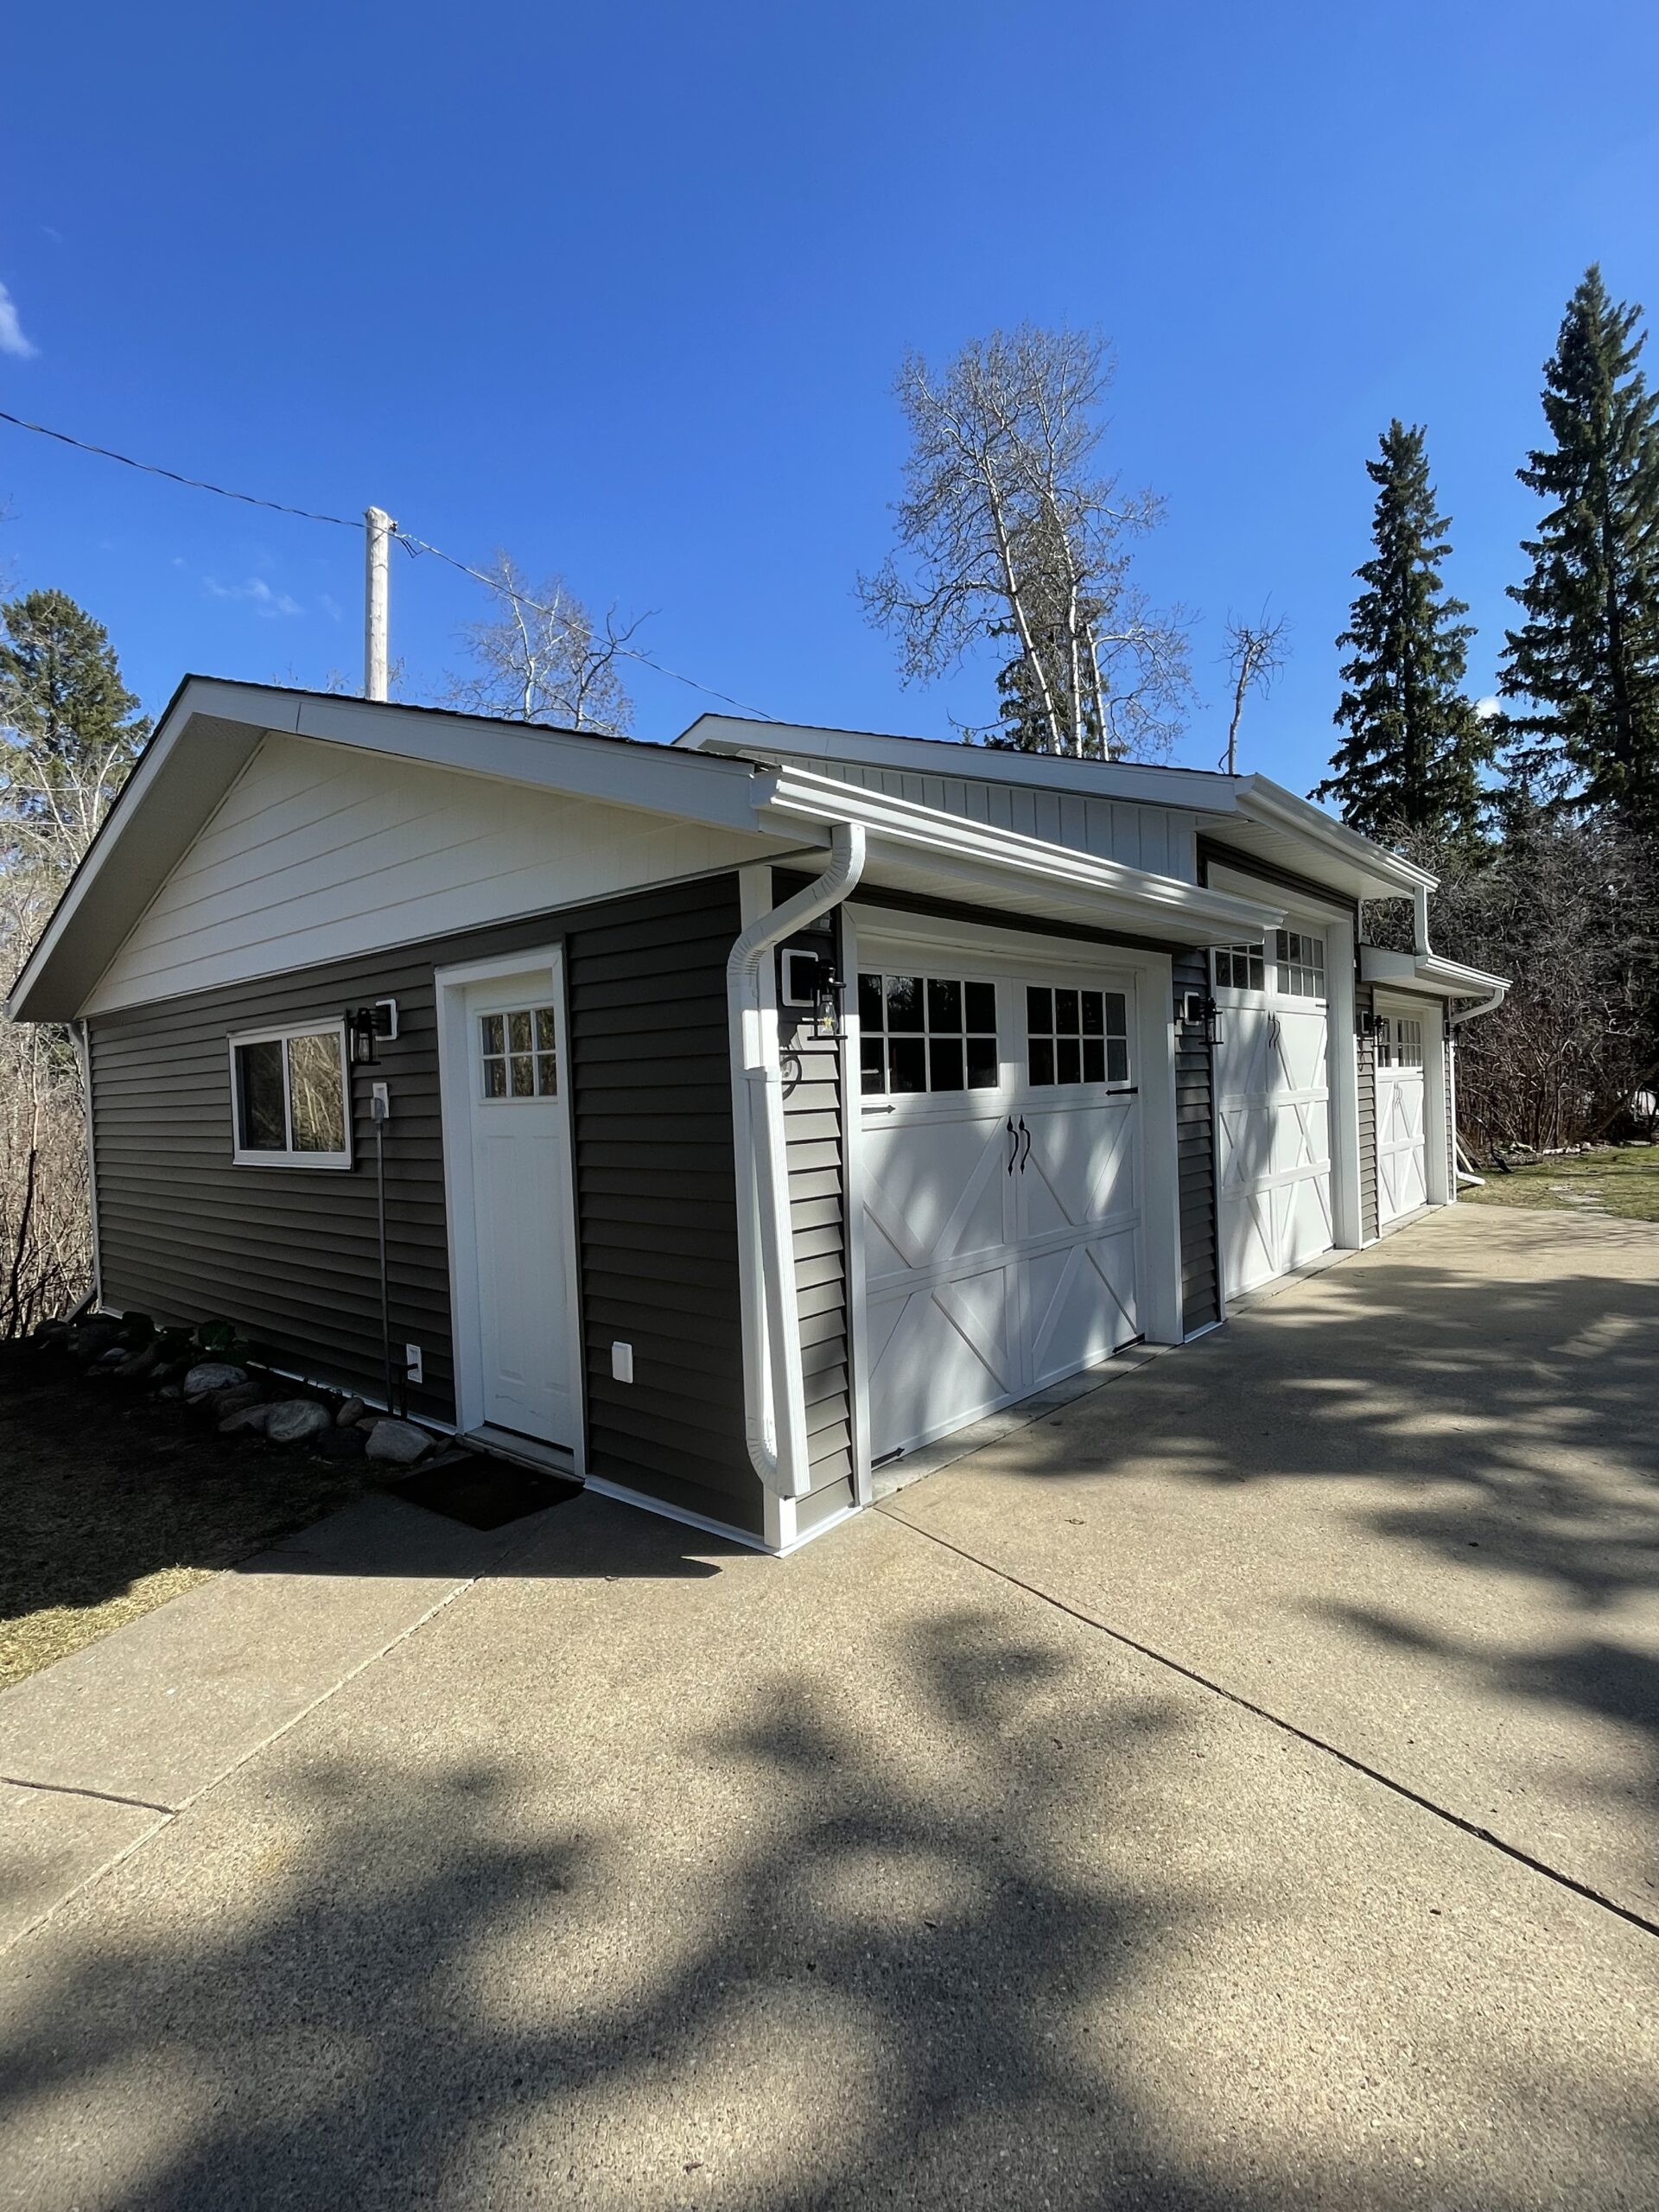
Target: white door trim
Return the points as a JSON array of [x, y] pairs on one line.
[[455, 1110]]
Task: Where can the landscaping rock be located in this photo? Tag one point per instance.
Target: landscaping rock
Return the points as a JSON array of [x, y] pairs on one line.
[[52, 1332], [400, 1441], [171, 1391], [116, 1356], [351, 1412], [342, 1443], [90, 1343], [296, 1420], [137, 1364], [210, 1376], [246, 1420], [239, 1394]]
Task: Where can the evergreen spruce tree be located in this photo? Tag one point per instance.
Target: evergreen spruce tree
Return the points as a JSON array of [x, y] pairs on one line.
[[1414, 743], [69, 729], [1585, 664]]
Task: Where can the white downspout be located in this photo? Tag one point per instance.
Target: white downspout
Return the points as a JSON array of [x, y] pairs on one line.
[[774, 1409]]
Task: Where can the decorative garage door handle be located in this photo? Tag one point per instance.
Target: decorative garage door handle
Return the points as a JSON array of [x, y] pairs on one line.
[[1014, 1145], [1025, 1133]]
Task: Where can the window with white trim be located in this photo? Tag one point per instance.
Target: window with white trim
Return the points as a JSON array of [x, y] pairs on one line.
[[1300, 965], [1077, 1036], [926, 1033], [290, 1100], [519, 1053], [1240, 968]]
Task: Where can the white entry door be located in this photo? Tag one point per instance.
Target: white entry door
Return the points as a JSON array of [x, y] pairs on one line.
[[1000, 1133], [1272, 1086], [520, 1204], [1401, 1179]]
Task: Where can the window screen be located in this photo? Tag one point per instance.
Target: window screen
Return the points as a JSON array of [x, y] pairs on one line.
[[1076, 1036], [926, 1033], [1240, 968], [1300, 965], [289, 1099], [519, 1053]]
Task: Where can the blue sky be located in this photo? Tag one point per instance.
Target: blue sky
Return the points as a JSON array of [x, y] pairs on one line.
[[623, 289]]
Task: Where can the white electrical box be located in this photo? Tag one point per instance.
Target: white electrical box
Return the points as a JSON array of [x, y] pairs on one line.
[[412, 1363], [621, 1363]]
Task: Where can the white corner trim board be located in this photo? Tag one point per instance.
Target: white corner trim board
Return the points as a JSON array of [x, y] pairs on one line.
[[774, 1390]]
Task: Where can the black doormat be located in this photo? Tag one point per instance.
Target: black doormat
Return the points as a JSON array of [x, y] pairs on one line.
[[481, 1492]]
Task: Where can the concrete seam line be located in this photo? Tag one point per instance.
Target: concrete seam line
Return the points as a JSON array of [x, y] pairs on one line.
[[75, 1790], [1289, 1728]]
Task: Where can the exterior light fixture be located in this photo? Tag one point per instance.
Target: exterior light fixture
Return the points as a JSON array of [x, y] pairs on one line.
[[826, 1001], [368, 1026]]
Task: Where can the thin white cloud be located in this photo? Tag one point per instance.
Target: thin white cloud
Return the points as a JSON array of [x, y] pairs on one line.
[[258, 593], [12, 339], [330, 606]]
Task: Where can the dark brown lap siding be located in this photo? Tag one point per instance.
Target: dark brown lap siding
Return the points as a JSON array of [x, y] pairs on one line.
[[289, 1254]]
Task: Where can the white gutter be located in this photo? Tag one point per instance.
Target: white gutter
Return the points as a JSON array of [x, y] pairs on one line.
[[1144, 899], [774, 1393]]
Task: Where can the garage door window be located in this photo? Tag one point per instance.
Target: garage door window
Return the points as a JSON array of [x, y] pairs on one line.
[[926, 1033], [1401, 1043], [1239, 968], [1300, 965], [1077, 1036]]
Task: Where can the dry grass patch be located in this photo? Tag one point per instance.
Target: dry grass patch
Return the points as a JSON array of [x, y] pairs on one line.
[[113, 1503], [1622, 1179]]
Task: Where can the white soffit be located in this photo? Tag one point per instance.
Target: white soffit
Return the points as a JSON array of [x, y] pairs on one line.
[[1428, 972]]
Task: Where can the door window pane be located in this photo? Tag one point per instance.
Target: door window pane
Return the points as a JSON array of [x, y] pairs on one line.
[[1077, 1036], [519, 1053], [1240, 968], [1300, 965], [926, 1033]]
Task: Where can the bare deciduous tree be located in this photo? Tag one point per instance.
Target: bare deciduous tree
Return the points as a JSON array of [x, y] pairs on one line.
[[1256, 653], [1007, 530], [544, 658], [1569, 909]]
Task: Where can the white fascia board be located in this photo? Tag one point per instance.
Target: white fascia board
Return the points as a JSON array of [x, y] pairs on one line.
[[1262, 800], [1190, 790], [1427, 971], [1130, 898]]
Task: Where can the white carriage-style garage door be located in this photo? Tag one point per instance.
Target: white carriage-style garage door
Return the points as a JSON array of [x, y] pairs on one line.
[[1402, 1171], [1000, 1182], [1272, 1086]]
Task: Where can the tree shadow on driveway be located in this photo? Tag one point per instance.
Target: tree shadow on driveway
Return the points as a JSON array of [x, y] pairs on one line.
[[959, 1943]]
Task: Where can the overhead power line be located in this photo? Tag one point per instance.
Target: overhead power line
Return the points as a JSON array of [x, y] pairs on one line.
[[410, 544], [193, 483]]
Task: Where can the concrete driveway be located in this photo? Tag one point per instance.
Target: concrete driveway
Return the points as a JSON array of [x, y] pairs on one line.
[[1093, 1825]]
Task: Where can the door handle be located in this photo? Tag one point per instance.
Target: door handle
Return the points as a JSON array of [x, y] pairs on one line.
[[1014, 1145], [1025, 1133]]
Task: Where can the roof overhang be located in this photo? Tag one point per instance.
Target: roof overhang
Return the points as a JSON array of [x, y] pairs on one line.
[[210, 731], [926, 853], [1431, 975], [1255, 816], [1275, 826]]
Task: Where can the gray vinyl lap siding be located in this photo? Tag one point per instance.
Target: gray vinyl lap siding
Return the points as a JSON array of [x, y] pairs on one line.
[[1365, 1057], [815, 1142], [289, 1254], [1195, 1148]]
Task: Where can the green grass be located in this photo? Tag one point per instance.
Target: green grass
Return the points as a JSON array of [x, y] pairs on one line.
[[111, 1503], [1623, 1181]]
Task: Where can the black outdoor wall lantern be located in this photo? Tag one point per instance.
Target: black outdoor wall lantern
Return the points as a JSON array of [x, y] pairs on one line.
[[366, 1026]]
